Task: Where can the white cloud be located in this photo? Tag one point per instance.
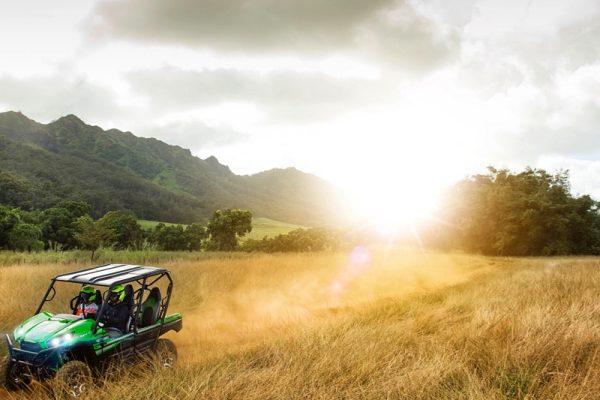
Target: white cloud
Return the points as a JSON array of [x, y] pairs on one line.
[[283, 96], [585, 174], [192, 134], [46, 98], [36, 37]]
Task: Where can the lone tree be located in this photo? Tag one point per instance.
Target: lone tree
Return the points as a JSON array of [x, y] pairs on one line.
[[128, 233], [92, 234], [226, 227]]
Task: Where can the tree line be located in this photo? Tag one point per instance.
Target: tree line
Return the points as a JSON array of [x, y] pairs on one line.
[[524, 213], [298, 240], [68, 225]]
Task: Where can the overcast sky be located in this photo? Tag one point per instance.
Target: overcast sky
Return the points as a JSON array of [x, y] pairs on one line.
[[417, 93]]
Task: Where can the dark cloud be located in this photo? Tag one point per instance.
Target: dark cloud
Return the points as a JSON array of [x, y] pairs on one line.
[[237, 24], [382, 28], [285, 95]]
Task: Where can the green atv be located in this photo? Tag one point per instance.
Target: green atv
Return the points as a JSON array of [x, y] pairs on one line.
[[74, 350]]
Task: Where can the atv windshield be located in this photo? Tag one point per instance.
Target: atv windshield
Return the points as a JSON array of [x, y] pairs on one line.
[[65, 298]]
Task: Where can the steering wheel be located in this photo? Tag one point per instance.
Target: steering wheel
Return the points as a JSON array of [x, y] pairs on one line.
[[73, 303], [113, 332]]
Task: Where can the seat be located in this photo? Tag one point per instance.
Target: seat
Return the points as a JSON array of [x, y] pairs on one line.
[[129, 301], [128, 294], [98, 300], [77, 300], [74, 303], [151, 308]]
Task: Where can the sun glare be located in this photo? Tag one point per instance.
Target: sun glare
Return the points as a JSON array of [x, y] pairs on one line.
[[395, 211], [395, 175]]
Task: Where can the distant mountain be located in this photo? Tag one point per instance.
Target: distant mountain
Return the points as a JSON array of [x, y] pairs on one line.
[[41, 164]]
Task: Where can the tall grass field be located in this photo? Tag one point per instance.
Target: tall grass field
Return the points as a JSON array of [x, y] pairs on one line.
[[374, 323]]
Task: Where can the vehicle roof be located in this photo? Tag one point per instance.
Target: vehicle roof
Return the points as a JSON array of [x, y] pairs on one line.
[[110, 274]]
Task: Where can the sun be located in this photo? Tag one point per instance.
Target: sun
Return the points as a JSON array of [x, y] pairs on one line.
[[394, 209], [395, 162], [403, 215]]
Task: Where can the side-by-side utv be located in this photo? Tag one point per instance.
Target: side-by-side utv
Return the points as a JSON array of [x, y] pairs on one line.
[[73, 349]]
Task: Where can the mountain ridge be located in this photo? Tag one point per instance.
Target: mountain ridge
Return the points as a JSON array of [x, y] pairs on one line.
[[41, 164]]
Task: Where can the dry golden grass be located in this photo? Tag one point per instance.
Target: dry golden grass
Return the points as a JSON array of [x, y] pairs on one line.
[[401, 325]]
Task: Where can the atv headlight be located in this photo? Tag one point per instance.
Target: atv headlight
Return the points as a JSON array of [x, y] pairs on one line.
[[61, 340]]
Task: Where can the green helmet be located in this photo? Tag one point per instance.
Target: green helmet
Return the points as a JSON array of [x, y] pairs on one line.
[[117, 292], [88, 294]]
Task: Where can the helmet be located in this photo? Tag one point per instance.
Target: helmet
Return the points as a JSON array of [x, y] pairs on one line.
[[87, 294], [117, 294]]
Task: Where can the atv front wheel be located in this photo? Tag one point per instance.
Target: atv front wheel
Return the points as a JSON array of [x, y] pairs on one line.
[[166, 353], [74, 379], [10, 377]]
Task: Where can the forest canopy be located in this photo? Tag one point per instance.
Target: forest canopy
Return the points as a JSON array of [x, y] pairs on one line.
[[518, 214]]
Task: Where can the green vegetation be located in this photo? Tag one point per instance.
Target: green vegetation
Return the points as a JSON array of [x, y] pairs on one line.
[[226, 227], [68, 225], [127, 233], [519, 214], [262, 227], [41, 165], [176, 237], [147, 224], [91, 234], [298, 240], [26, 237]]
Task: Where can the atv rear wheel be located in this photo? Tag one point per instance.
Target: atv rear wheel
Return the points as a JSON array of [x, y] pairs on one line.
[[10, 377], [166, 354], [74, 379]]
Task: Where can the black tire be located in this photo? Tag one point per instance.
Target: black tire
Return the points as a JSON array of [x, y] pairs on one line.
[[165, 354], [73, 380], [9, 376]]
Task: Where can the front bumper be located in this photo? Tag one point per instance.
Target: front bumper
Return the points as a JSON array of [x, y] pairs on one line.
[[42, 363]]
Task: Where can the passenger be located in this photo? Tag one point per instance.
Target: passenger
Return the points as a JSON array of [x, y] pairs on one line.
[[116, 313], [87, 308]]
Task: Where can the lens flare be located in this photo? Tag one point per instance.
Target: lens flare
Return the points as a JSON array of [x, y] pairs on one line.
[[358, 261]]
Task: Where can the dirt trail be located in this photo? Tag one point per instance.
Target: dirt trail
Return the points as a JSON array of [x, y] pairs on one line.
[[277, 304]]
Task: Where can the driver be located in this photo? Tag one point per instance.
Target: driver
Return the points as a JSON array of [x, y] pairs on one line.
[[116, 313], [87, 308]]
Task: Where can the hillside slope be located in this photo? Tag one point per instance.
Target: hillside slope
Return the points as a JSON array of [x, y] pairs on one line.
[[68, 159]]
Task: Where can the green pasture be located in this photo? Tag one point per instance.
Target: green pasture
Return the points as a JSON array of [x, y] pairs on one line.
[[147, 224], [261, 227]]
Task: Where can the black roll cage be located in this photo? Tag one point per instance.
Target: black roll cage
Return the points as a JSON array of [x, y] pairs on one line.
[[141, 280]]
